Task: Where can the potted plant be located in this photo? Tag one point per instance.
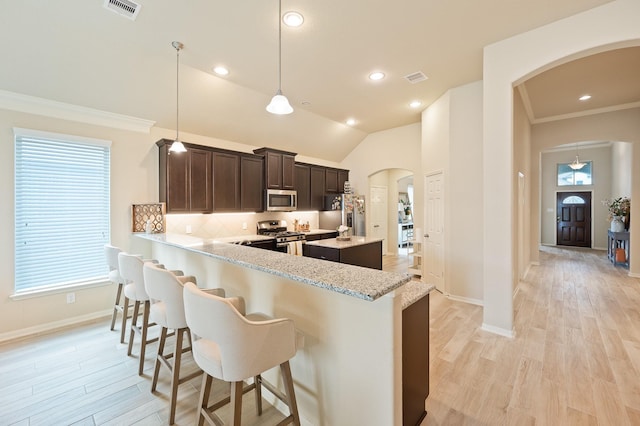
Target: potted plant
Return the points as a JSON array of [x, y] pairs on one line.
[[619, 209]]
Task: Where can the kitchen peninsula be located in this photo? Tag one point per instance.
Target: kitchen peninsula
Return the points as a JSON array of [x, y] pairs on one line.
[[349, 321]]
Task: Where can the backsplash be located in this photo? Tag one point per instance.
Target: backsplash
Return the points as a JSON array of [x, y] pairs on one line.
[[222, 225]]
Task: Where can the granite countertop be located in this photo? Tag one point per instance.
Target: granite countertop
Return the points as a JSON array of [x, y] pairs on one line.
[[414, 291], [337, 244], [363, 283]]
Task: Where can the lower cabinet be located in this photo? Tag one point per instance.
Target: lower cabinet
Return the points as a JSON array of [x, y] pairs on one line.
[[415, 361], [366, 255]]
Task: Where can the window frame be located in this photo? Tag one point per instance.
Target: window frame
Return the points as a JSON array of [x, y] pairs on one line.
[[558, 184], [98, 162]]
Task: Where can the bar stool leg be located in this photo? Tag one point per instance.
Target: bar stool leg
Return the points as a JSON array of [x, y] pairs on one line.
[[125, 313], [236, 401], [175, 377], [116, 307], [204, 397], [285, 369], [156, 371], [143, 340], [134, 320]]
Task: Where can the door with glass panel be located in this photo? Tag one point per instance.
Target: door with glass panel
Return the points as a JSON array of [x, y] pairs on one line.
[[573, 219]]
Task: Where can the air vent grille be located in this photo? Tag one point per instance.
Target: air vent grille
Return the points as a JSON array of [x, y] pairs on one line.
[[415, 77], [125, 8]]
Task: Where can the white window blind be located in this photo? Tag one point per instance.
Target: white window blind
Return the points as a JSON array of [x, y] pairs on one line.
[[61, 209]]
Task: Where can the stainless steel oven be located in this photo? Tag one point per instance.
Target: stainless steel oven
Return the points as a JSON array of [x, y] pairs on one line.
[[278, 230], [281, 200]]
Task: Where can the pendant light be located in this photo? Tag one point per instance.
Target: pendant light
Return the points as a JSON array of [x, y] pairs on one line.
[[577, 165], [177, 146], [279, 103]]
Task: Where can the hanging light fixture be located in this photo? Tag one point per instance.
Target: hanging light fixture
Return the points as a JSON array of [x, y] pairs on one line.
[[177, 146], [279, 103], [577, 165]]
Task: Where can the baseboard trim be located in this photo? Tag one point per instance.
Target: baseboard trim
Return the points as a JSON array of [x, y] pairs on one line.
[[500, 331], [466, 300], [53, 326], [633, 275]]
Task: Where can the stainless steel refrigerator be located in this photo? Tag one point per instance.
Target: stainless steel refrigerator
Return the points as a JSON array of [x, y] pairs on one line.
[[344, 209]]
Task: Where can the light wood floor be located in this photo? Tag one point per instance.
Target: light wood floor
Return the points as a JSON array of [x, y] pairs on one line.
[[575, 361]]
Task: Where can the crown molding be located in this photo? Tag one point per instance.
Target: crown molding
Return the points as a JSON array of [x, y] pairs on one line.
[[48, 108], [585, 113]]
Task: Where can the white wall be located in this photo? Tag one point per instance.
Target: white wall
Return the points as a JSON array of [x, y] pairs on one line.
[[621, 164], [452, 143], [506, 63], [395, 148], [601, 189]]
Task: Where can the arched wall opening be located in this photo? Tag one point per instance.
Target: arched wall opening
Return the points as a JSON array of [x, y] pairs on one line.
[[506, 64]]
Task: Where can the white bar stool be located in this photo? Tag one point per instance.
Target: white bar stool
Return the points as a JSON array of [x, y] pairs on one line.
[[130, 266], [233, 348], [167, 310]]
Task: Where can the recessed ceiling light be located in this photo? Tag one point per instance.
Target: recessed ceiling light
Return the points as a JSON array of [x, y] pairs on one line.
[[584, 97], [415, 104], [221, 70], [375, 76], [351, 122], [293, 19]]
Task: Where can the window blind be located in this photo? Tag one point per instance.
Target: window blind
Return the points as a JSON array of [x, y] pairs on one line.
[[62, 218]]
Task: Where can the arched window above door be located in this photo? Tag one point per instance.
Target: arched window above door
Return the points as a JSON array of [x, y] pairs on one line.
[[574, 199]]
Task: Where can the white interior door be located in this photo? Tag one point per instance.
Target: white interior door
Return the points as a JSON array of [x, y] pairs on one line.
[[378, 215], [434, 231]]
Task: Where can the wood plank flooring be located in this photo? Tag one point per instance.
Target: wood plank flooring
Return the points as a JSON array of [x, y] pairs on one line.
[[575, 361]]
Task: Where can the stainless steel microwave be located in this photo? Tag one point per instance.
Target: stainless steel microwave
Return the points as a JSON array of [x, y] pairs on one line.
[[280, 200]]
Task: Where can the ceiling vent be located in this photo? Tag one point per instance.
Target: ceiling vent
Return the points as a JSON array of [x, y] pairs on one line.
[[415, 77], [125, 8]]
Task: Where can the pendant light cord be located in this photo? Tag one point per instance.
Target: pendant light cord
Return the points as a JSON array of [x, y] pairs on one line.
[[178, 46], [279, 46]]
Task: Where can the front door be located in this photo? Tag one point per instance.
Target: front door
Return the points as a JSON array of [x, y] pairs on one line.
[[573, 219]]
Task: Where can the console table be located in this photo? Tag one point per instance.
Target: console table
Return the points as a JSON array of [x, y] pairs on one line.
[[618, 240]]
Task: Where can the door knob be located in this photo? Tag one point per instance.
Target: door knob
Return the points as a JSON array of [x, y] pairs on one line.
[[426, 235], [376, 226]]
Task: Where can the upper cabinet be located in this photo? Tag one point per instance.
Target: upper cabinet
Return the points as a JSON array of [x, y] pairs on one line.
[[226, 182], [185, 179], [302, 180], [334, 180], [279, 168], [251, 183], [208, 180]]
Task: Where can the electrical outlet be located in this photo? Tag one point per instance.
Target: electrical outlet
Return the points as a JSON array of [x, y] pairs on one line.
[[244, 226], [71, 298], [188, 229]]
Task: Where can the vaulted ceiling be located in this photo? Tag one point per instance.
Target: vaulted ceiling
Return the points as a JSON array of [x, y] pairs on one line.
[[78, 52]]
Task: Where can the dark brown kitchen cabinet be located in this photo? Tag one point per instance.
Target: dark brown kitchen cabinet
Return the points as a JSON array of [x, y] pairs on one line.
[[279, 168], [226, 182], [303, 185], [251, 183], [367, 254], [185, 179], [343, 176], [331, 181], [335, 179], [316, 187]]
